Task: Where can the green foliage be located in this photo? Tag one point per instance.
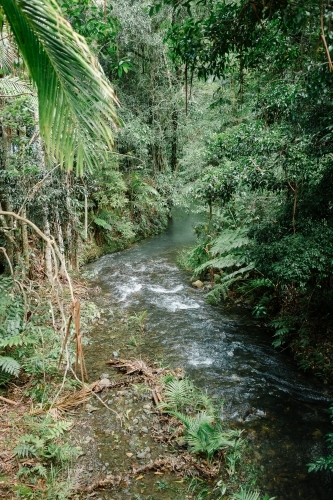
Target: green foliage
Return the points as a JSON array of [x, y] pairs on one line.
[[227, 251], [181, 395], [204, 437], [266, 167], [226, 254], [44, 443], [226, 283], [324, 463], [283, 327], [9, 365], [245, 494], [198, 415], [12, 326], [68, 81]]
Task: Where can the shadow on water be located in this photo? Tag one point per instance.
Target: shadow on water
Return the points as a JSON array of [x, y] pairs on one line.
[[284, 411]]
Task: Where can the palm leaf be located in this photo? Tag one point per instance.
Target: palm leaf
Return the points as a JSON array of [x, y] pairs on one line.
[[8, 51], [12, 86], [76, 103]]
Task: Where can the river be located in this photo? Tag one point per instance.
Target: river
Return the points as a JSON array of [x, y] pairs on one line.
[[283, 411]]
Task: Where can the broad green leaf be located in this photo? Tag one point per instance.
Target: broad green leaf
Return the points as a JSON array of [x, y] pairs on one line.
[[76, 103]]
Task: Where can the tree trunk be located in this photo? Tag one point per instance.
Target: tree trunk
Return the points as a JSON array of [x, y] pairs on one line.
[[48, 252], [25, 243], [61, 242], [174, 142]]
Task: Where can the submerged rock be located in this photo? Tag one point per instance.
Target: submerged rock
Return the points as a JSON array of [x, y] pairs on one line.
[[90, 408]]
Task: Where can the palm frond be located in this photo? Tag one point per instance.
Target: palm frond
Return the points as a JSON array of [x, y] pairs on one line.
[[8, 50], [12, 86], [76, 103]]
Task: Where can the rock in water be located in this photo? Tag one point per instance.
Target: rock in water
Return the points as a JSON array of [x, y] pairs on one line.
[[198, 284]]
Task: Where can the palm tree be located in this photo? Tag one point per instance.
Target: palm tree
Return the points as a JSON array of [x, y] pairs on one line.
[[76, 103]]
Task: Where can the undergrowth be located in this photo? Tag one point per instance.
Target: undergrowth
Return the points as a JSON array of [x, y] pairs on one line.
[[31, 337], [205, 434]]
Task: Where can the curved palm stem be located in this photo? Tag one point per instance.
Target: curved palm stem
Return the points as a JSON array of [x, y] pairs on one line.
[[76, 103]]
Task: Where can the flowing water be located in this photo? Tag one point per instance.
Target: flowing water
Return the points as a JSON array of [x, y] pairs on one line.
[[283, 411]]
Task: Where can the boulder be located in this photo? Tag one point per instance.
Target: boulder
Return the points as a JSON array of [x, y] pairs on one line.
[[198, 284]]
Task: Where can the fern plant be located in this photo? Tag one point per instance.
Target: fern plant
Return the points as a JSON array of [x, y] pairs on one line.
[[180, 395], [198, 415], [324, 463], [244, 494], [10, 365], [283, 327], [227, 282], [203, 436], [11, 326], [227, 254], [43, 442], [13, 334]]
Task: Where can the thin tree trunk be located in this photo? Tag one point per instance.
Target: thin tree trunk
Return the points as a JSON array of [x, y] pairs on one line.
[[174, 143], [48, 252], [25, 242], [5, 228], [61, 242], [186, 90]]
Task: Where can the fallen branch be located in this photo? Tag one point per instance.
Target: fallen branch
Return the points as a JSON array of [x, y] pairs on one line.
[[9, 401], [109, 481]]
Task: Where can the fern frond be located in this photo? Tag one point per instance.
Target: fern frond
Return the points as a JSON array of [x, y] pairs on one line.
[[177, 393], [255, 283], [5, 284], [229, 240], [10, 365], [224, 262], [29, 445], [239, 272], [37, 470], [15, 341], [246, 495], [62, 452], [201, 434], [219, 441], [192, 424], [222, 289], [57, 429], [25, 450], [102, 223], [323, 463]]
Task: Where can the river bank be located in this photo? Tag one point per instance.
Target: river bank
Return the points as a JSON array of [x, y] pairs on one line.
[[225, 353], [133, 450]]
